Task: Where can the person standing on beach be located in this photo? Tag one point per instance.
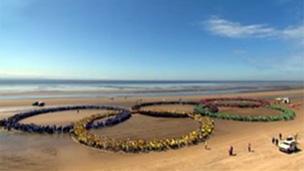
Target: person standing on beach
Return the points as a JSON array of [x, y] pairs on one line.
[[206, 145], [280, 136], [273, 140], [249, 147], [230, 151], [276, 141], [296, 137]]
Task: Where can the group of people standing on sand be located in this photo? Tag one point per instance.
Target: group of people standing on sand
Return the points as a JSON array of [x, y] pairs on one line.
[[276, 140], [232, 153], [12, 122]]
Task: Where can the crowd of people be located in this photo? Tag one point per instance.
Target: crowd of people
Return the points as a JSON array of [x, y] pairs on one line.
[[207, 107], [139, 108], [111, 121], [13, 122], [82, 135], [239, 102], [286, 114]]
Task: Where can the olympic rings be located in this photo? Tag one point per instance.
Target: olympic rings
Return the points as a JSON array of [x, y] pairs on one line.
[[202, 111]]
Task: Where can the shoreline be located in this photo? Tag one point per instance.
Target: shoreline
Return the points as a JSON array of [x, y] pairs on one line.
[[113, 89], [148, 94]]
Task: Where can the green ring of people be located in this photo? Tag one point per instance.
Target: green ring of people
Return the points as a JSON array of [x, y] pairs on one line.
[[83, 136], [286, 114]]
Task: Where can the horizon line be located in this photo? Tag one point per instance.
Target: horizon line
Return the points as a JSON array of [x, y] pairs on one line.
[[141, 80]]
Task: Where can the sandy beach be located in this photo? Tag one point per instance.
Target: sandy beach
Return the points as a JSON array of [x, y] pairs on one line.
[[195, 85], [23, 151]]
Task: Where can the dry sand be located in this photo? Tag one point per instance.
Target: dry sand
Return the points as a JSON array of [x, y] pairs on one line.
[[22, 151]]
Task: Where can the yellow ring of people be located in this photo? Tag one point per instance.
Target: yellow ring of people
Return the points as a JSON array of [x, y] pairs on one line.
[[83, 136]]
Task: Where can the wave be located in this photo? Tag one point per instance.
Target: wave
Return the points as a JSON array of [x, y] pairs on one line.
[[47, 89]]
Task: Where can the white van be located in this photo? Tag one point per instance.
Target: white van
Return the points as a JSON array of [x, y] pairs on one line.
[[288, 145]]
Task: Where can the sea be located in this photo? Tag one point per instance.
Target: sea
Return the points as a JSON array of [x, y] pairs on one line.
[[52, 88]]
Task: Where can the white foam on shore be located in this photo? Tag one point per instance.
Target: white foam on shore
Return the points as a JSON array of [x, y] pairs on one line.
[[21, 89], [8, 110], [15, 108]]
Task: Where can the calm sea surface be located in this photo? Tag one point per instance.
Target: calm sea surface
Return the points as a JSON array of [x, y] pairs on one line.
[[18, 89]]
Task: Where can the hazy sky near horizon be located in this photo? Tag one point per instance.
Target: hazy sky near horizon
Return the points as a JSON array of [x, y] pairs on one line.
[[156, 39]]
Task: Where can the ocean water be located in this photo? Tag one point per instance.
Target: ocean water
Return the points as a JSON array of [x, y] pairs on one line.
[[18, 89]]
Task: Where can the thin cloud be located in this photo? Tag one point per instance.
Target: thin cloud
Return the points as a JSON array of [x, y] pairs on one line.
[[294, 33], [230, 29]]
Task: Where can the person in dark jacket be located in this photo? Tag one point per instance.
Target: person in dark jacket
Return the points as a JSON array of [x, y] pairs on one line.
[[249, 147], [231, 151]]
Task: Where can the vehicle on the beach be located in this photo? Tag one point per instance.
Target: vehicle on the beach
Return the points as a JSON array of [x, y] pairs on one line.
[[38, 103], [289, 145], [284, 100]]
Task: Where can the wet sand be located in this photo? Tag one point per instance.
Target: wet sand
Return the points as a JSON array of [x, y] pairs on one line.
[[23, 151]]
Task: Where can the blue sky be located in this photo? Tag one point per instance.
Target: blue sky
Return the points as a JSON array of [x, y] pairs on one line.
[[156, 39]]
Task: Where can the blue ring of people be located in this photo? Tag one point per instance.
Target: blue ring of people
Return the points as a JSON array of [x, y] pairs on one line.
[[13, 122]]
